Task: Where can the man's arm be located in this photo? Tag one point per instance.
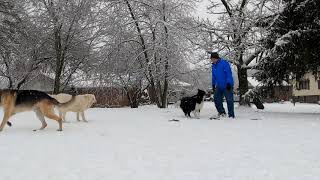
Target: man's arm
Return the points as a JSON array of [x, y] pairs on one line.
[[213, 78], [228, 73]]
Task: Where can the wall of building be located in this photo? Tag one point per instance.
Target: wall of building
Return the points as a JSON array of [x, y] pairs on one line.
[[311, 95]]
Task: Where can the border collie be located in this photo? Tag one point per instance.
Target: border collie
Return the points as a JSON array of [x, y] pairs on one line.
[[192, 104]]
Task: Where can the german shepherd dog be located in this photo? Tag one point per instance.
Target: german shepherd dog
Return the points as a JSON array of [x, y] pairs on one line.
[[16, 101]]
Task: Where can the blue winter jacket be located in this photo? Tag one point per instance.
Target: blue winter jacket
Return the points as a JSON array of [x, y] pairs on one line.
[[221, 74]]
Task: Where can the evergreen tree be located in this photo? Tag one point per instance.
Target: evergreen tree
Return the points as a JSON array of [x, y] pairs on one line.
[[293, 43]]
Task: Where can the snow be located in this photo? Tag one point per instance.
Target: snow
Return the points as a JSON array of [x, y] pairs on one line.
[[288, 107], [302, 5], [254, 82], [141, 144], [203, 13], [287, 38]]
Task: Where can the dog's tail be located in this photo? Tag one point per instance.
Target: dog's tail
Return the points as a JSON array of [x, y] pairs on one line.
[[177, 104], [57, 103]]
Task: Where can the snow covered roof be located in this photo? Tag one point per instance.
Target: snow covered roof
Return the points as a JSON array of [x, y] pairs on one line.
[[87, 83], [180, 83]]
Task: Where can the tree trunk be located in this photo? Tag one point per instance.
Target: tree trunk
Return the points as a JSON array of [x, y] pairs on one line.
[[10, 83], [145, 53], [243, 84], [133, 98], [57, 46], [152, 95], [159, 95], [164, 96], [243, 78], [59, 67], [59, 58]]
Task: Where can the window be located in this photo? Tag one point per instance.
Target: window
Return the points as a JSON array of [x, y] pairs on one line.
[[304, 84]]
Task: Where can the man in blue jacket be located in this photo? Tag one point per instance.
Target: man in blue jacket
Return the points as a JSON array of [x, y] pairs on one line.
[[222, 85]]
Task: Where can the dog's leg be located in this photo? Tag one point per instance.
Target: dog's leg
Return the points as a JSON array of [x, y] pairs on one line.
[[196, 114], [8, 106], [5, 119], [64, 117], [47, 110], [83, 118], [41, 118], [61, 115], [78, 118], [55, 117]]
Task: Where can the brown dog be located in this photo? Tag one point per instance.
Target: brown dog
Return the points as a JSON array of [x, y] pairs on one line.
[[15, 101]]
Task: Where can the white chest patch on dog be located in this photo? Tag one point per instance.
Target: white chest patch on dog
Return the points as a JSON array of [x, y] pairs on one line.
[[199, 106], [197, 109]]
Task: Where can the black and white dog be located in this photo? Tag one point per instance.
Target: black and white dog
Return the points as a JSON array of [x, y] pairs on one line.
[[192, 104]]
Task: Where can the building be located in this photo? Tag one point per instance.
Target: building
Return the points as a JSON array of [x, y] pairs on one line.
[[307, 89], [106, 95]]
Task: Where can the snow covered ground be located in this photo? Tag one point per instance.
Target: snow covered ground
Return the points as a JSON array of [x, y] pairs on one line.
[[141, 144]]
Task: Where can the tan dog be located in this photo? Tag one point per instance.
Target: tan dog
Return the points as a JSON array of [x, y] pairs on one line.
[[16, 101], [79, 104]]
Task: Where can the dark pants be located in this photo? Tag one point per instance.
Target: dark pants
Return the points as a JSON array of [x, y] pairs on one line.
[[218, 99]]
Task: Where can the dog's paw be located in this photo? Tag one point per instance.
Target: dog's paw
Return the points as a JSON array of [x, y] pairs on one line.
[[9, 123]]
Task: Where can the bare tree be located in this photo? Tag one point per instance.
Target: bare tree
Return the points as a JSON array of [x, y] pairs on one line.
[[21, 56], [238, 35], [158, 28], [72, 28]]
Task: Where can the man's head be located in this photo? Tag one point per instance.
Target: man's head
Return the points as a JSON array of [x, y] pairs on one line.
[[214, 57]]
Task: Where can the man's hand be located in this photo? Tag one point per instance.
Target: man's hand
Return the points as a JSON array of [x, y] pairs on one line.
[[228, 86]]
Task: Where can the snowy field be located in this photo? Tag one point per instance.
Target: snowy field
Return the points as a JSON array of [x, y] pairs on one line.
[[141, 144]]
